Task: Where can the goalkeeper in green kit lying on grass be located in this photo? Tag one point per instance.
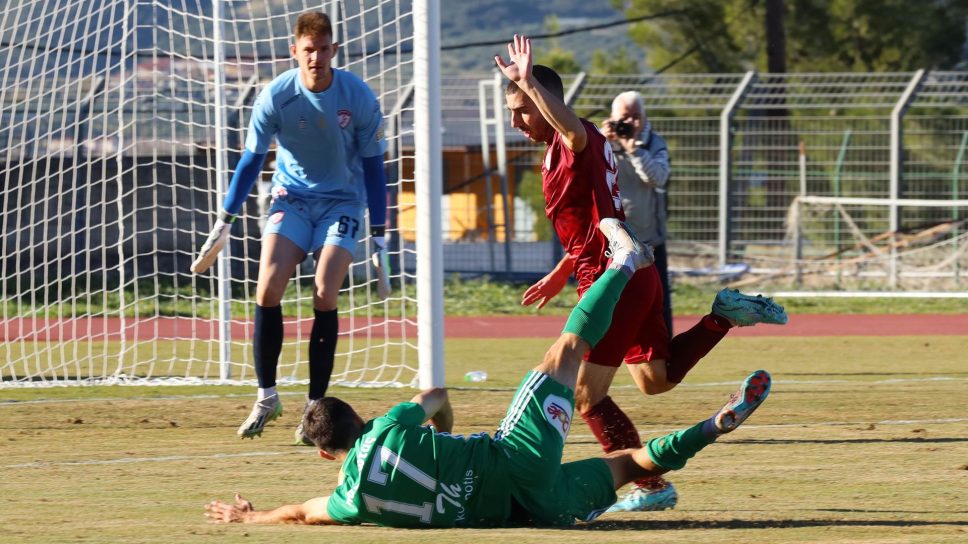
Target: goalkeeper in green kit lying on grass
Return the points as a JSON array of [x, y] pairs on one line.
[[398, 473]]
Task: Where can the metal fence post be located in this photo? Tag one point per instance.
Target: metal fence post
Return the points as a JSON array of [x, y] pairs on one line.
[[897, 150], [725, 147], [955, 178], [798, 228]]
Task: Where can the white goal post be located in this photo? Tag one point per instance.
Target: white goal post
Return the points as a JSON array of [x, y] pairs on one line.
[[120, 124]]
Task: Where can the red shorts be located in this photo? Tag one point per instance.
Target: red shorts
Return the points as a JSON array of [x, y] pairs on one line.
[[638, 331]]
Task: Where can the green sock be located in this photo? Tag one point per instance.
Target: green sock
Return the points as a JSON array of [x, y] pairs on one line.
[[592, 316], [674, 449]]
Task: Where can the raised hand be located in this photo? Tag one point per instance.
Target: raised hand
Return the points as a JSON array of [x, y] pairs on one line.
[[521, 61], [546, 289]]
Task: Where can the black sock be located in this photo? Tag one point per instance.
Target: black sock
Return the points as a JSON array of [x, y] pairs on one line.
[[322, 351], [267, 343]]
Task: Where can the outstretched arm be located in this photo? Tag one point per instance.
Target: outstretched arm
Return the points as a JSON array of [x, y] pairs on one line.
[[556, 112], [311, 512]]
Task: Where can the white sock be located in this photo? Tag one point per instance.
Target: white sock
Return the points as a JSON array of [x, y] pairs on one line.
[[624, 267], [265, 393]]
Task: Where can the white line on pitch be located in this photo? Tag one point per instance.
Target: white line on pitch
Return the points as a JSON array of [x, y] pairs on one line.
[[460, 388], [44, 464], [124, 460]]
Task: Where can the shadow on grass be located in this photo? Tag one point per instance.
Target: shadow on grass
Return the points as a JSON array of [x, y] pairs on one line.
[[785, 442], [912, 440], [640, 525], [878, 373]]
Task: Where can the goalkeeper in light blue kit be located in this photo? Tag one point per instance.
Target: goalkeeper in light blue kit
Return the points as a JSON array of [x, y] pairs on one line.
[[328, 128], [399, 473]]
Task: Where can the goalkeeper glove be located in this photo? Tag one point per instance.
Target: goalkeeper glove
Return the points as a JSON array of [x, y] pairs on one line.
[[381, 261], [215, 242]]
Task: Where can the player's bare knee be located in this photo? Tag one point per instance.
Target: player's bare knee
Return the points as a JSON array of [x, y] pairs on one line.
[[550, 357], [561, 363], [650, 387], [587, 396], [324, 300], [650, 377], [267, 297], [565, 350]]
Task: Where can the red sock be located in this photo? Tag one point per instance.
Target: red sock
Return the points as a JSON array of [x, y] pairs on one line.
[[615, 431], [687, 348]]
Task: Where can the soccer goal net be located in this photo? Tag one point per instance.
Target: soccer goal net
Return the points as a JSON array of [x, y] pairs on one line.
[[864, 246], [121, 122]]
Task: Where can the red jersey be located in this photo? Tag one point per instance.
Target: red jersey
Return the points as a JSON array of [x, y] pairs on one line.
[[581, 189]]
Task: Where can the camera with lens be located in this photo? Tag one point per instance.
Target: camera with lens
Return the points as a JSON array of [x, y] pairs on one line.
[[621, 128]]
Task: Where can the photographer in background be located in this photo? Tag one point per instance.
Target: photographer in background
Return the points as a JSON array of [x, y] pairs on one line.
[[643, 175]]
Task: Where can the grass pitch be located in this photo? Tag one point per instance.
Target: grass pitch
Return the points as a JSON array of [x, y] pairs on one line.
[[861, 440]]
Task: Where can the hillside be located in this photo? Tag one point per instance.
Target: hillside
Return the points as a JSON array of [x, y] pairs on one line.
[[462, 22], [470, 22]]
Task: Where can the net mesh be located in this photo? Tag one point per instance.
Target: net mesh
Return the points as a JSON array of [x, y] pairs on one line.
[[111, 119]]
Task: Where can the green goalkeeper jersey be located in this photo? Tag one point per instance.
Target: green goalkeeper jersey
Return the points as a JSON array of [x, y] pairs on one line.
[[402, 474]]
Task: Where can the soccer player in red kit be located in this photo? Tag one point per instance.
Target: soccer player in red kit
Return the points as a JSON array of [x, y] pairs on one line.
[[578, 178]]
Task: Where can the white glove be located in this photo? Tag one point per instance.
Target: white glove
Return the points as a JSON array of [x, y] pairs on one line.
[[381, 261], [215, 242]]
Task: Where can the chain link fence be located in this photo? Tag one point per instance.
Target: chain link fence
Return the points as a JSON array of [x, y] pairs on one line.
[[749, 153]]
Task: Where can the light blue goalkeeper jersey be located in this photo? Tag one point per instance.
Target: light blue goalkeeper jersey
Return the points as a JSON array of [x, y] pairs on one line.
[[321, 137]]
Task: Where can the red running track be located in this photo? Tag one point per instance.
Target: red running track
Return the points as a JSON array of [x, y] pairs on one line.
[[799, 325], [38, 329]]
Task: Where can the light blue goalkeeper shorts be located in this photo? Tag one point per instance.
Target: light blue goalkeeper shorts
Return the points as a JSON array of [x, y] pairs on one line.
[[314, 223]]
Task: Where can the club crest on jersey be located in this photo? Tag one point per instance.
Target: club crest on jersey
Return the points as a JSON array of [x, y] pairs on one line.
[[278, 191], [344, 117], [558, 412]]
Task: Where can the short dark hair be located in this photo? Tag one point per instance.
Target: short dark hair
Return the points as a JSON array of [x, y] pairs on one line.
[[313, 23], [331, 424], [548, 78]]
